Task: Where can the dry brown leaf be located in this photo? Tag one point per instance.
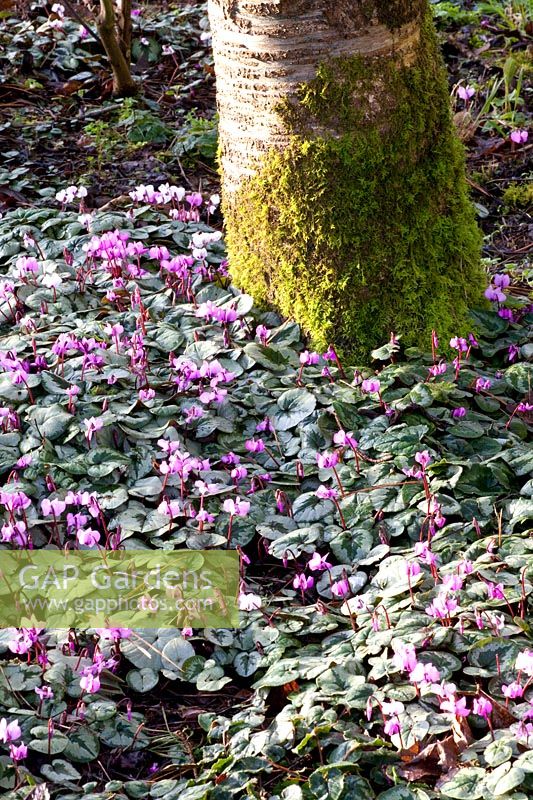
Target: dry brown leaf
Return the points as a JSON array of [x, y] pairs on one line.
[[462, 735], [435, 760]]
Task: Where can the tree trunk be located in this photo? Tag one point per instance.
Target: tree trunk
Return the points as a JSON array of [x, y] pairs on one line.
[[125, 27], [123, 83], [343, 179]]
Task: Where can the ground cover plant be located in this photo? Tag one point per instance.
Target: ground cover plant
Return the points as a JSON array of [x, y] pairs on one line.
[[382, 511]]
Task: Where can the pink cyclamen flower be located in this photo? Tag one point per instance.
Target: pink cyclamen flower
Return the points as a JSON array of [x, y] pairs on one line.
[[482, 384], [423, 551], [262, 333], [237, 507], [371, 385], [72, 392], [340, 588], [239, 473], [513, 352], [303, 583], [27, 265], [90, 683], [44, 692], [454, 706], [114, 633], [393, 708], [195, 199], [88, 537], [326, 493], [465, 92], [309, 358], [441, 607], [452, 583], [482, 707], [524, 662], [92, 425], [444, 690], [249, 601], [502, 280], [264, 425], [53, 507], [423, 458], [458, 343], [424, 674], [519, 136], [330, 354], [495, 294], [392, 726], [254, 445], [459, 413], [318, 563], [512, 690], [438, 369], [345, 439], [404, 657], [18, 752], [186, 632], [495, 591], [192, 413], [9, 731], [412, 568], [327, 460], [145, 395]]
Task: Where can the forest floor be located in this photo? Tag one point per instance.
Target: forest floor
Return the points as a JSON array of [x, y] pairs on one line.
[[314, 697]]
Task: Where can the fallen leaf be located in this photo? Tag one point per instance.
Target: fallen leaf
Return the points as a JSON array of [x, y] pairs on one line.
[[462, 735]]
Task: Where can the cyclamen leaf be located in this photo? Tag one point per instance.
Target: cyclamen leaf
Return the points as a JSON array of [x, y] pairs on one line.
[[83, 746], [270, 357], [60, 771], [247, 663], [294, 406], [142, 680]]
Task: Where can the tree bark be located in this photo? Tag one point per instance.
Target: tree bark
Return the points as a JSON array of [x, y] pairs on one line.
[[343, 179], [123, 83], [125, 27]]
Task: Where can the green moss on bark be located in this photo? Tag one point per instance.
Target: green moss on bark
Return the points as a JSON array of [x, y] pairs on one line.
[[366, 227], [395, 13]]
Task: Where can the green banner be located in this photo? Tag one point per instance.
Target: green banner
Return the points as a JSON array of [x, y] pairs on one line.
[[112, 589]]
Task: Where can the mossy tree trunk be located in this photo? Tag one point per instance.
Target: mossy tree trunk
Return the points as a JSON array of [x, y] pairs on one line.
[[343, 180]]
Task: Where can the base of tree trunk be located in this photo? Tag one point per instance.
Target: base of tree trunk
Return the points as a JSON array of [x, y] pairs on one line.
[[362, 225]]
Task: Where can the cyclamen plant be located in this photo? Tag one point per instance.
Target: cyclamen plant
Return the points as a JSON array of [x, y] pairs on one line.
[[171, 413]]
